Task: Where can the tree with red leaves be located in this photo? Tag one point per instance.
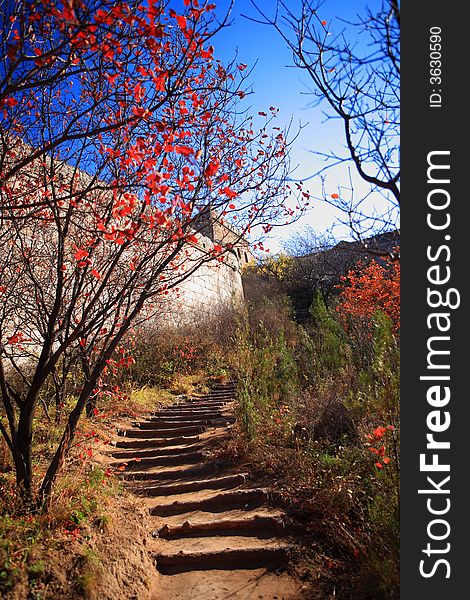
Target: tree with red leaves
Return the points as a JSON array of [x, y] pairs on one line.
[[118, 129], [368, 290]]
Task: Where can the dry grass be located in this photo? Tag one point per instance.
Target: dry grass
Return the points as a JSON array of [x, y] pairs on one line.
[[343, 508], [307, 404]]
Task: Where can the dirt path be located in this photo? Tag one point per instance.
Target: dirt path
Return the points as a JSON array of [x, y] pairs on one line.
[[215, 535]]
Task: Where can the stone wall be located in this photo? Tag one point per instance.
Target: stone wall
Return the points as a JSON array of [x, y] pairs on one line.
[[211, 289], [214, 286], [217, 229]]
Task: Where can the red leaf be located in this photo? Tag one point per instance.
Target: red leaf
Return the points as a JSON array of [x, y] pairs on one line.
[[80, 254], [14, 339], [139, 92], [160, 218], [212, 168], [334, 196], [379, 432], [143, 113], [184, 150], [181, 21], [229, 192], [111, 78]]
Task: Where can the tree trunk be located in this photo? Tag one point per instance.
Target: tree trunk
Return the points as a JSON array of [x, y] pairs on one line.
[[74, 417], [90, 406], [62, 450], [23, 455]]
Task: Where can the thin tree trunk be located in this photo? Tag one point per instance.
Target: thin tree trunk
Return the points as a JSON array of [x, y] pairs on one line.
[[74, 417], [23, 455], [64, 446]]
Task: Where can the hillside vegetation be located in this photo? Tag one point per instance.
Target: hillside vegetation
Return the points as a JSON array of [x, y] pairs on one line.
[[317, 421]]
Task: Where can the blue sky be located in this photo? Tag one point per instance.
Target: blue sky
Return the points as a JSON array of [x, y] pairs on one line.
[[276, 82]]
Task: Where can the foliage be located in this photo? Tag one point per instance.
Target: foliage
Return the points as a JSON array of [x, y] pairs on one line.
[[162, 354], [275, 266], [263, 354], [367, 290], [331, 348], [314, 415], [79, 507], [319, 415], [119, 129]]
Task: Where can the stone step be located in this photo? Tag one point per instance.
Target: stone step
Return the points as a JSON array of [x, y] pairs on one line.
[[253, 557], [158, 451], [164, 433], [193, 406], [159, 424], [191, 411], [207, 519], [187, 414], [157, 442], [225, 482], [214, 392], [215, 503], [182, 458], [212, 396], [200, 516], [208, 469], [260, 525], [164, 424]]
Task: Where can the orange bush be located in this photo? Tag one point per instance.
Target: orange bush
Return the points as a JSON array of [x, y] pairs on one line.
[[372, 288]]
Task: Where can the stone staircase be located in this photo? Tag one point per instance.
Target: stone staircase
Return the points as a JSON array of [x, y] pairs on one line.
[[208, 516]]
